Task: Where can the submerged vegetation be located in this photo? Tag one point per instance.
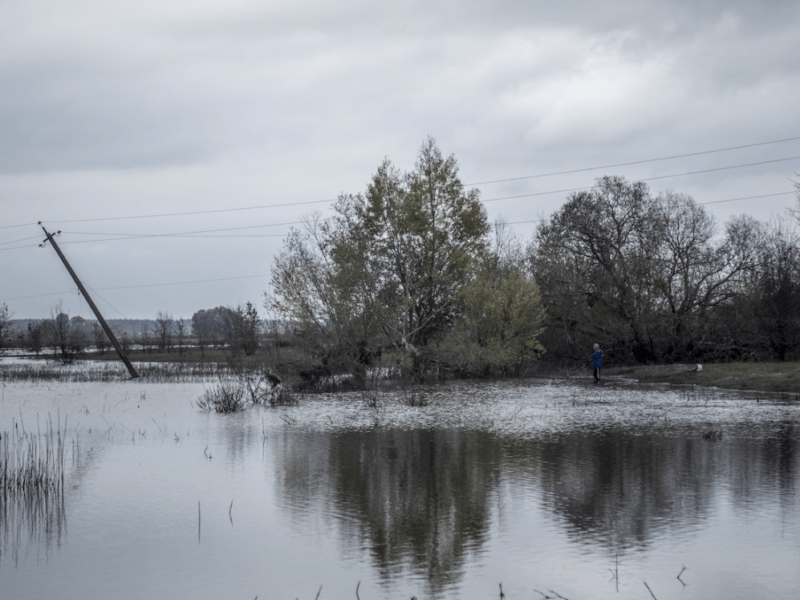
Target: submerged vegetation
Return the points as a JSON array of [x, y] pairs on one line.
[[224, 397], [109, 371], [32, 485], [245, 386], [32, 463]]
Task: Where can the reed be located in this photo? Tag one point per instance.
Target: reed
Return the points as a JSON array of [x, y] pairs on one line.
[[32, 470], [32, 462]]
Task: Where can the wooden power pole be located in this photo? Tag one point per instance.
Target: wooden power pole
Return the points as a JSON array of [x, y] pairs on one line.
[[89, 301]]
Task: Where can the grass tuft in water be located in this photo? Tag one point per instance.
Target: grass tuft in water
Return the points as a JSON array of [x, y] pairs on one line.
[[224, 397], [32, 462]]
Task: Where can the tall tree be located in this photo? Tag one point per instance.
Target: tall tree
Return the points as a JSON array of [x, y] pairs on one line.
[[641, 274], [597, 248], [389, 268], [63, 334], [776, 290], [5, 324], [248, 327], [165, 329], [34, 336]]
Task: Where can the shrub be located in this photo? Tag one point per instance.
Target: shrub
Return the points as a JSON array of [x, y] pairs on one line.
[[224, 397]]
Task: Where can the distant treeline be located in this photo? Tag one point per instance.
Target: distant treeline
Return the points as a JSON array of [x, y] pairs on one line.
[[132, 326], [66, 337]]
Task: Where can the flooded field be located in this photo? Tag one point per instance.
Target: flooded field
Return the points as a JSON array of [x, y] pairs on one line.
[[552, 489]]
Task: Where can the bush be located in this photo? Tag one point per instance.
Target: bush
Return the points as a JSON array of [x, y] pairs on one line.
[[224, 397], [251, 386]]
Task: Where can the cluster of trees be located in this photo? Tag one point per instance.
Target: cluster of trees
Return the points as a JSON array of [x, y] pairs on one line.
[[411, 272], [411, 266], [653, 278], [237, 328], [66, 337]]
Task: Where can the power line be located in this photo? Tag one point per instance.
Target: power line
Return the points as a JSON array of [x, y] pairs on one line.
[[262, 275], [18, 247], [748, 198], [186, 233], [32, 237], [635, 162], [106, 301], [191, 234], [702, 203], [648, 179], [540, 175], [15, 226]]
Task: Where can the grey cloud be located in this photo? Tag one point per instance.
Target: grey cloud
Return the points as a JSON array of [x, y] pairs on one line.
[[162, 88]]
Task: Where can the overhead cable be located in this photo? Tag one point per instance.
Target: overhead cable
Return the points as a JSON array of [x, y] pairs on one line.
[[635, 162], [540, 175]]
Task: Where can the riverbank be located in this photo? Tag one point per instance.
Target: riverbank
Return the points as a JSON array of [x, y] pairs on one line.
[[776, 377], [762, 377]]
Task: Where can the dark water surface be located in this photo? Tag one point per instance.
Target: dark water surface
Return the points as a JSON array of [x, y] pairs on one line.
[[546, 487]]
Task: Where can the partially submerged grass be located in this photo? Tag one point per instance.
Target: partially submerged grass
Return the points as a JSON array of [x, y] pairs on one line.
[[262, 386], [105, 372], [32, 470], [31, 485], [224, 397], [32, 462], [246, 386]]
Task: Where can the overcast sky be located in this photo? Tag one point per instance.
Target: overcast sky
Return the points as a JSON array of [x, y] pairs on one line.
[[113, 109]]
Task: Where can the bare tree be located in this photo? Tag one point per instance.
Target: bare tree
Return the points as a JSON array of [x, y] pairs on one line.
[[181, 331], [165, 329], [101, 341], [63, 334], [776, 290], [643, 274], [144, 337], [34, 336], [6, 329]]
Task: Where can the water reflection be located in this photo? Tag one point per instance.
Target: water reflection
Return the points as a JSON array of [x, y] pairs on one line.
[[416, 500], [619, 489], [423, 499], [31, 521], [524, 484]]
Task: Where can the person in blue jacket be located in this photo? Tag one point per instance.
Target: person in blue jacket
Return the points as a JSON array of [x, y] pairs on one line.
[[597, 362]]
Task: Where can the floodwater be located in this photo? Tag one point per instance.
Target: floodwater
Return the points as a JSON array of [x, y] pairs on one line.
[[550, 489]]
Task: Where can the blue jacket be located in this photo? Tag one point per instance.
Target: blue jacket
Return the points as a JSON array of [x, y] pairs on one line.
[[597, 358]]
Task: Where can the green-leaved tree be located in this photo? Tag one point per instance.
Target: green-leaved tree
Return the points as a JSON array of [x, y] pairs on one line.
[[391, 268]]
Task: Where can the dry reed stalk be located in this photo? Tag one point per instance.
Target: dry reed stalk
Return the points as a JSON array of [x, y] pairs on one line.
[[31, 462]]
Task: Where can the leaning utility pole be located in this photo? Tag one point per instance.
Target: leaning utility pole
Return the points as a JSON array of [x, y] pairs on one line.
[[100, 318]]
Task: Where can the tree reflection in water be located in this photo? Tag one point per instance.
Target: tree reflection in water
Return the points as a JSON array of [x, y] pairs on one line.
[[420, 499], [423, 499], [619, 488]]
